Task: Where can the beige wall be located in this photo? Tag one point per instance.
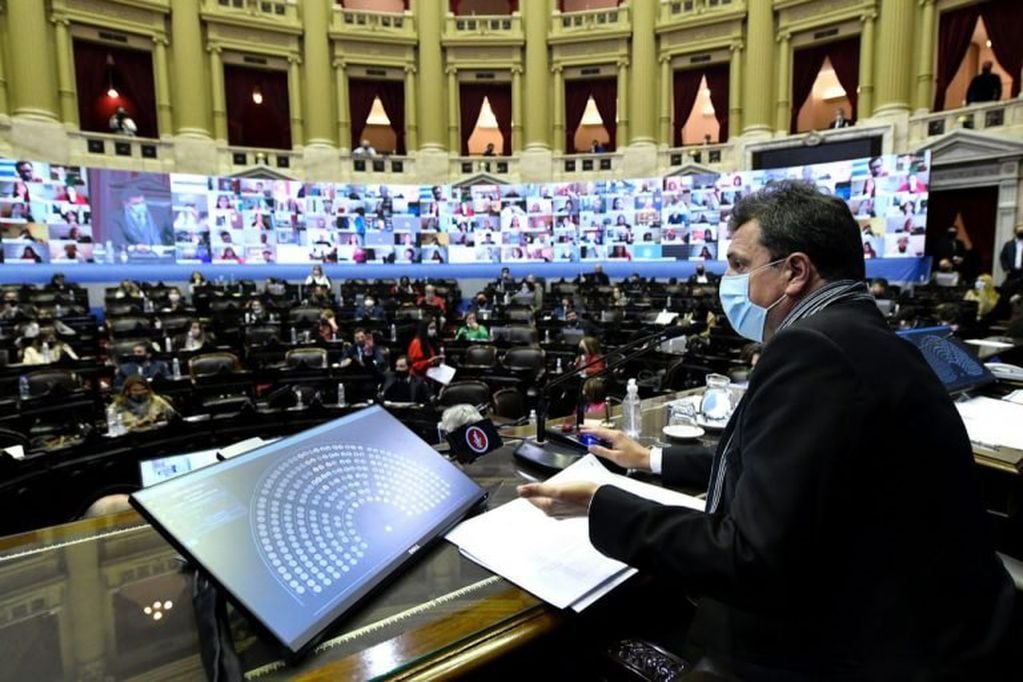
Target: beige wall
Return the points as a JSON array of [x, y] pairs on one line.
[[585, 135]]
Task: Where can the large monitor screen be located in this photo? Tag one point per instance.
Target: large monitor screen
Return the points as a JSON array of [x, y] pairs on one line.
[[67, 214], [298, 531]]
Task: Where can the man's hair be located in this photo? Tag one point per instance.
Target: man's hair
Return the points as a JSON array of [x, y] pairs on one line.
[[795, 216]]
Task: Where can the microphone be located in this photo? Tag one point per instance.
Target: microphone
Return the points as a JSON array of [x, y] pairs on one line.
[[554, 451], [468, 432]]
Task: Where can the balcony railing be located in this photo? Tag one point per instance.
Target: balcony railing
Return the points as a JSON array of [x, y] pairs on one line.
[[590, 21], [473, 27], [492, 165], [360, 22], [380, 167], [996, 115], [672, 9], [712, 155], [148, 153], [569, 164], [237, 159], [272, 10]]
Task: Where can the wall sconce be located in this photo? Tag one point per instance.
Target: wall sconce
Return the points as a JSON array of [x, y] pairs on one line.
[[257, 95]]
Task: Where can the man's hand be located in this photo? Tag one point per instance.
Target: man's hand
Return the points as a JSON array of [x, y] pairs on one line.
[[624, 451], [563, 500]]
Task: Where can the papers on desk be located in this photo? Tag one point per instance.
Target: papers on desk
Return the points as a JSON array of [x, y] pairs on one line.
[[990, 343], [1015, 397], [553, 558], [993, 423], [665, 318], [442, 374]]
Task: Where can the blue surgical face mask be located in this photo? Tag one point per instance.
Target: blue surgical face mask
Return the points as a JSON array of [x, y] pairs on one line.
[[746, 317]]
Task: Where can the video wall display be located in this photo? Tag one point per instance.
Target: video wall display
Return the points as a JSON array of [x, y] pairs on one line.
[[68, 214]]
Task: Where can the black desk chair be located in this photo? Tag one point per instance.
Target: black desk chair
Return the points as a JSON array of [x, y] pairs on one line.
[[306, 357], [469, 392]]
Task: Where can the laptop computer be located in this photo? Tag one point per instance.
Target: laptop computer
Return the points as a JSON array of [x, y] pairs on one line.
[[957, 368], [298, 531]]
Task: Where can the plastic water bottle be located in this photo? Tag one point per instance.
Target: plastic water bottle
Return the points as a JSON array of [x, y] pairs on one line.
[[176, 367], [298, 398], [111, 421], [394, 333], [341, 395], [532, 416], [547, 335], [632, 412], [167, 345], [557, 366], [294, 335], [24, 392], [46, 352], [59, 311], [668, 306]]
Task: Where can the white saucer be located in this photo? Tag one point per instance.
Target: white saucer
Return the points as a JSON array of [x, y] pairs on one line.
[[682, 431]]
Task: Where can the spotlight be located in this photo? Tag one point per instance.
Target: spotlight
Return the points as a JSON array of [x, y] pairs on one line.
[[112, 93], [257, 95]]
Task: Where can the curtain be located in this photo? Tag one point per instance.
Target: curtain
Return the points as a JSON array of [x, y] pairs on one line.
[[392, 96], [845, 58], [955, 31], [977, 207], [471, 96], [361, 94], [249, 124], [132, 75], [718, 83], [686, 88], [501, 103], [605, 95], [1003, 19], [576, 95], [806, 64]]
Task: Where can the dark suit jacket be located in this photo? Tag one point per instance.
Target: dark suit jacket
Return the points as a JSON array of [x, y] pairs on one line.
[[402, 390], [850, 536], [1007, 257]]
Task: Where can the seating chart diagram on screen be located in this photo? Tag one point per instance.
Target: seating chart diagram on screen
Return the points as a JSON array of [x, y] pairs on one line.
[[297, 531], [315, 514], [957, 369]]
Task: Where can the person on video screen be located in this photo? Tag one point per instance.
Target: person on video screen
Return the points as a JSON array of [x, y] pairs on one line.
[[138, 223]]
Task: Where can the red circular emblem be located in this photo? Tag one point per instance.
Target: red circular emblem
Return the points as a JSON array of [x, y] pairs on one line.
[[476, 439]]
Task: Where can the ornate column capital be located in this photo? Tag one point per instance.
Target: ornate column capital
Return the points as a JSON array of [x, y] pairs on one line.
[[737, 46], [784, 37], [60, 19], [518, 69], [557, 68], [869, 16], [924, 3], [295, 59], [450, 70], [214, 48], [410, 68], [339, 64], [161, 40], [622, 62], [664, 59]]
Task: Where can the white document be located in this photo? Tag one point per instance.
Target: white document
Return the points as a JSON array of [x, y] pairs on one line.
[[994, 423], [1015, 397], [665, 318], [553, 558], [990, 343], [442, 373]]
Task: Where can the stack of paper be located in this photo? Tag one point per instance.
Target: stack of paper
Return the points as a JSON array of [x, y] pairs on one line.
[[994, 423], [553, 558]]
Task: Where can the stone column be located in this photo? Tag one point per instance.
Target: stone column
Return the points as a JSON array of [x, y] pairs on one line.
[[411, 123], [895, 55], [316, 58], [454, 111], [164, 121], [191, 103], [536, 16], [344, 126], [664, 130], [517, 98], [642, 92], [622, 110], [865, 104], [4, 104], [33, 77], [925, 58], [559, 110], [430, 20], [217, 90], [295, 100], [735, 92], [758, 77], [783, 116], [65, 73]]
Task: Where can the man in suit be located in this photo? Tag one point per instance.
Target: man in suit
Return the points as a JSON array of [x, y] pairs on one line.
[[1011, 258], [843, 536], [402, 387], [840, 121], [701, 276], [985, 86], [138, 223]]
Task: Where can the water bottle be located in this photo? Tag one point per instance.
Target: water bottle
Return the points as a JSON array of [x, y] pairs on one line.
[[112, 421], [394, 333], [24, 392], [306, 336], [632, 413], [557, 366], [59, 311], [298, 398], [547, 335], [341, 395], [46, 352], [294, 336], [668, 306], [158, 324], [167, 345], [176, 367], [532, 416]]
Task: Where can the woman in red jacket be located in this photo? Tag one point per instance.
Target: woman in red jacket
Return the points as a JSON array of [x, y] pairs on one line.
[[589, 351], [423, 351]]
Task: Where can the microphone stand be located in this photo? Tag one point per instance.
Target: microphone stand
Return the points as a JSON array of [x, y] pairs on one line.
[[553, 450]]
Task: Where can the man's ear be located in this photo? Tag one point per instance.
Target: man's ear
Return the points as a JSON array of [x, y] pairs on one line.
[[804, 274]]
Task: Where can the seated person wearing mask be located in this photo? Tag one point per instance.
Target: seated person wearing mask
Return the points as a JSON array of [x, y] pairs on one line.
[[701, 276], [365, 353], [472, 330], [369, 309], [14, 310], [844, 537], [175, 303], [140, 365], [195, 338], [401, 386], [46, 348], [139, 407]]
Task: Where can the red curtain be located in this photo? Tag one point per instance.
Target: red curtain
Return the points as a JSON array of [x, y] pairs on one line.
[[845, 58], [1004, 19], [132, 75], [501, 103], [717, 82], [267, 124], [978, 207], [686, 88], [806, 64], [361, 94], [471, 96], [955, 30], [392, 96], [605, 96], [576, 95]]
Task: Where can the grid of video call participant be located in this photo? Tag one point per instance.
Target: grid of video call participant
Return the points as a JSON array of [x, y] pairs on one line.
[[134, 217]]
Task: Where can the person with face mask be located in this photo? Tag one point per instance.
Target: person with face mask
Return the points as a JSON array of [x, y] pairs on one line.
[[365, 353], [370, 309], [424, 349], [951, 248], [13, 309], [1011, 259], [46, 348], [141, 364], [990, 304], [701, 276], [195, 338], [139, 407], [139, 224], [174, 303], [401, 386], [842, 537], [472, 330]]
